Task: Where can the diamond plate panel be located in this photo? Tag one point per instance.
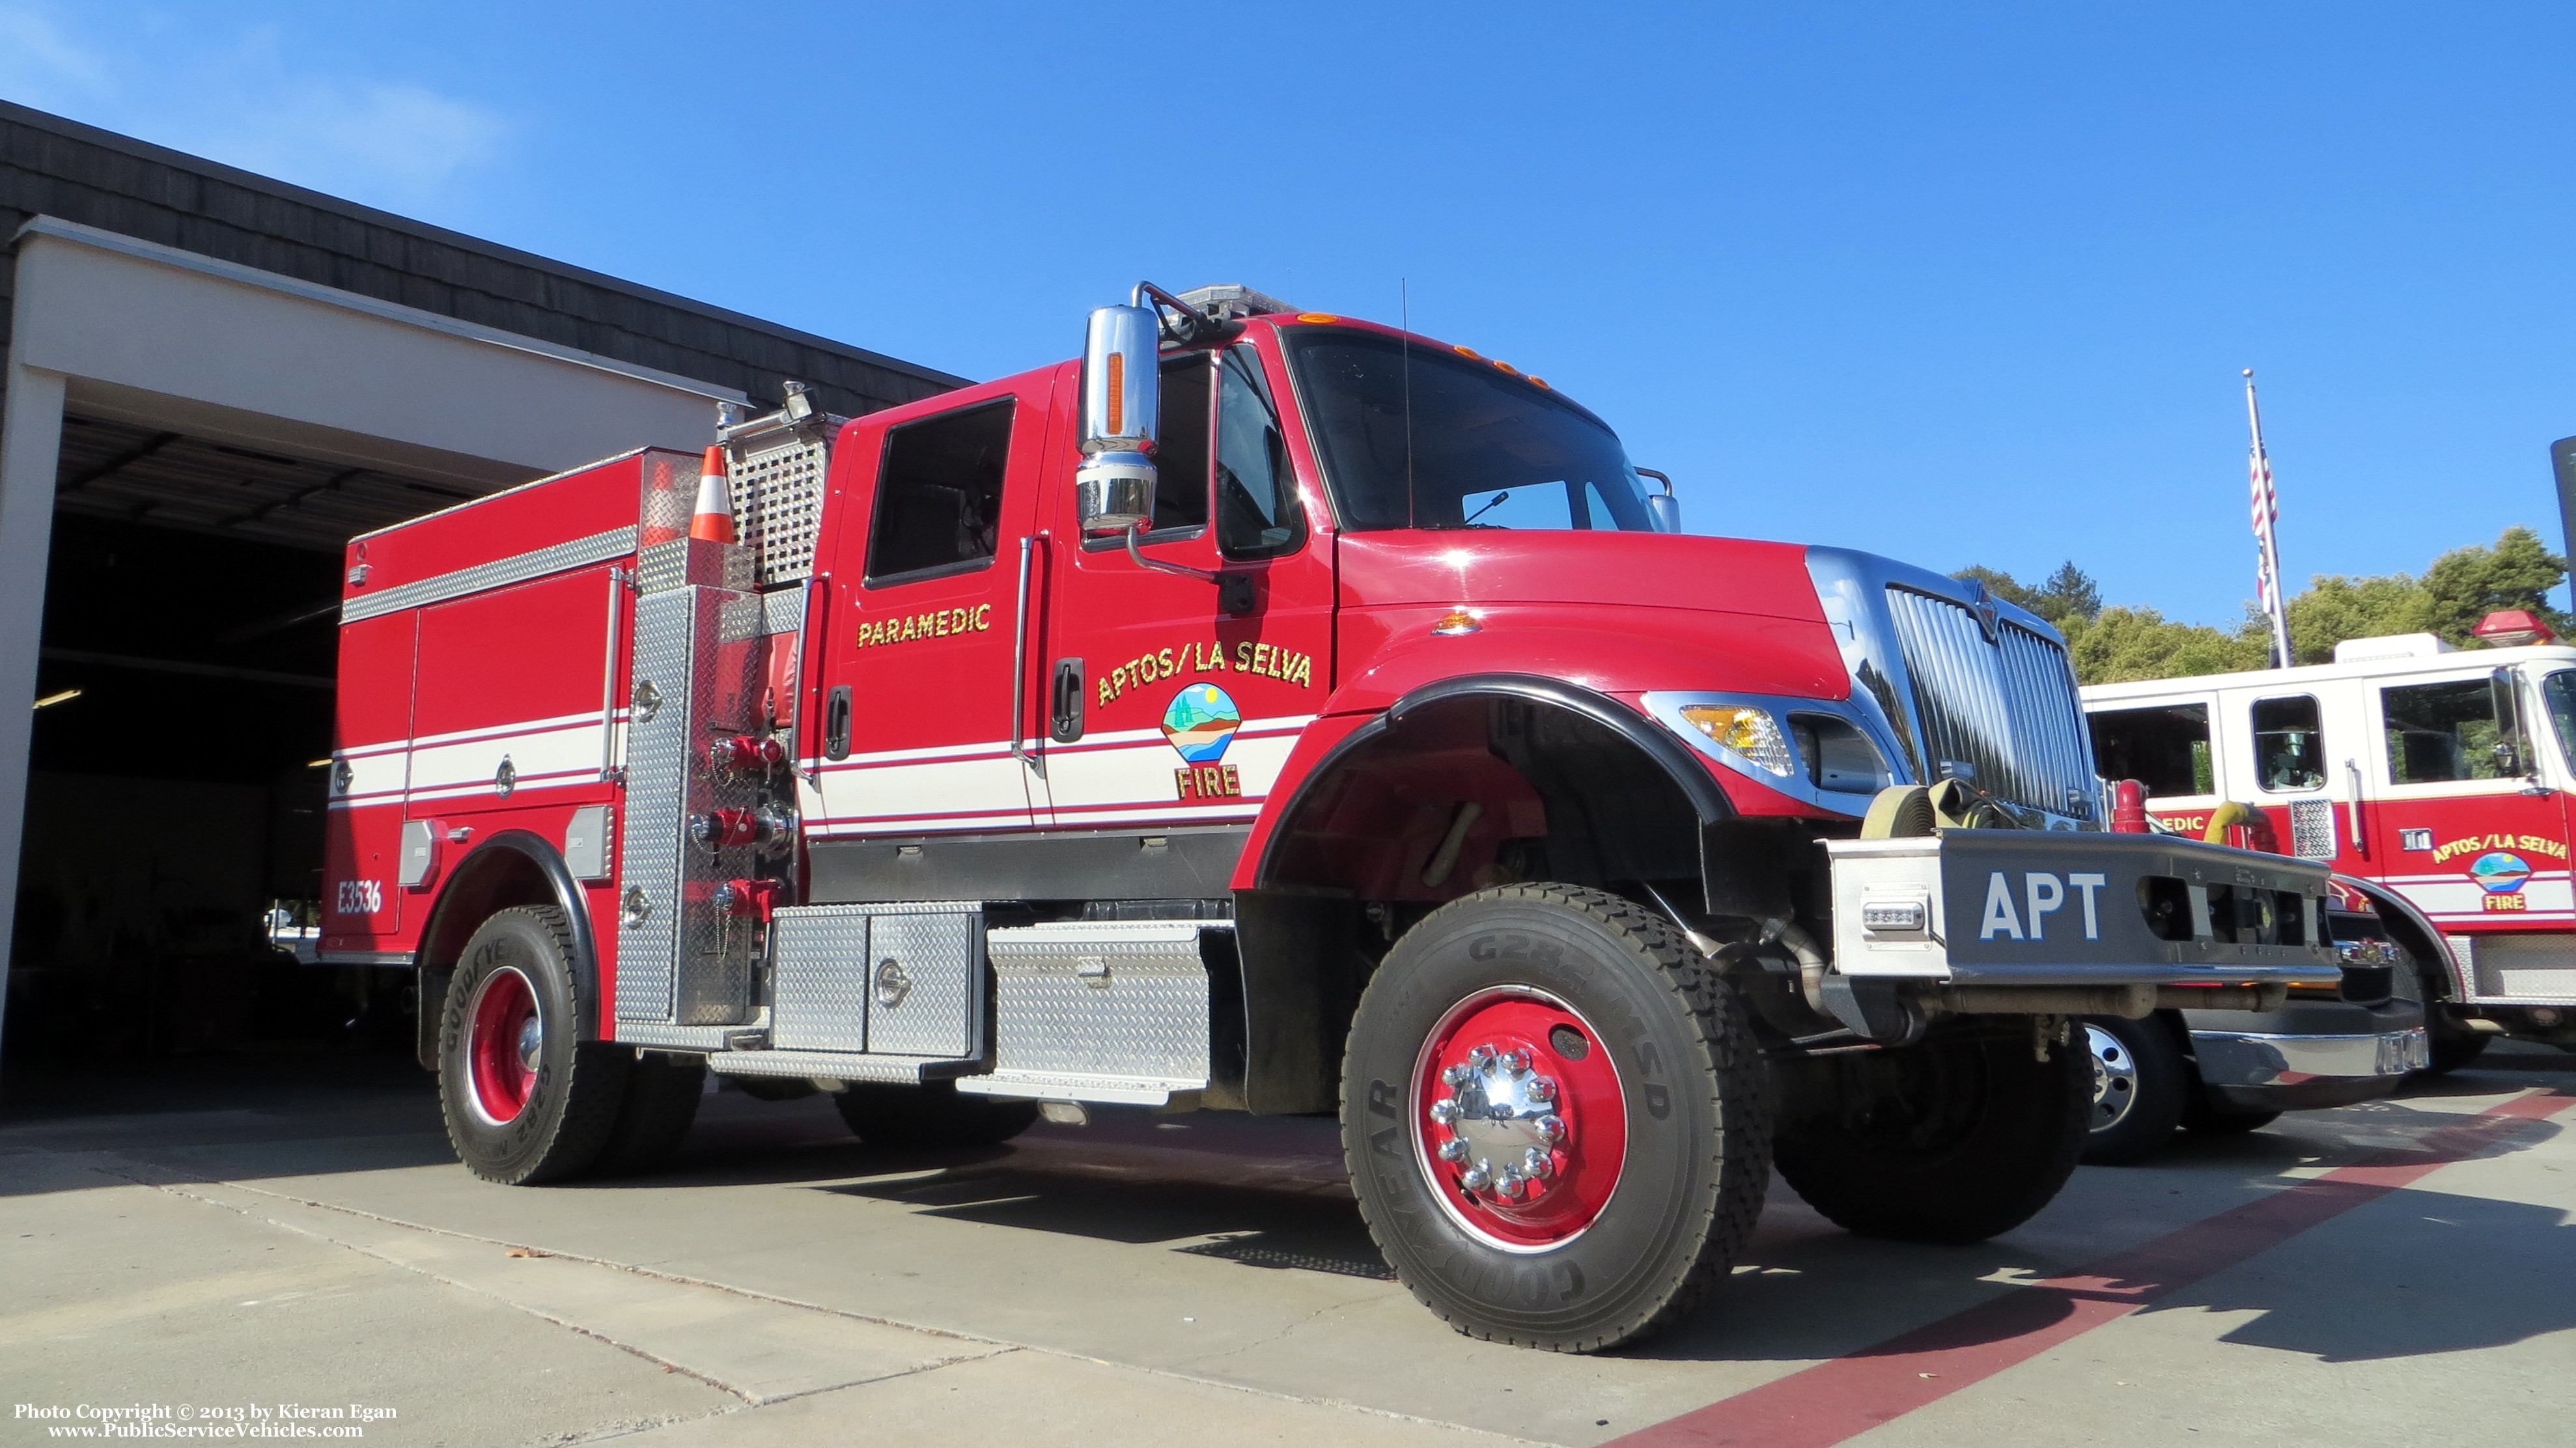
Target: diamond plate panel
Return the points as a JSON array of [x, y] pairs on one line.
[[681, 961], [683, 562], [518, 568], [820, 953], [778, 502], [1123, 1002], [923, 979], [2312, 829]]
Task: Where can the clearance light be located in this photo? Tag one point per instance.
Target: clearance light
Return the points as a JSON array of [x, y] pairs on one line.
[[65, 697], [1455, 622], [1506, 366], [1750, 732], [2511, 628], [1468, 352], [319, 764], [1317, 317], [1537, 381]]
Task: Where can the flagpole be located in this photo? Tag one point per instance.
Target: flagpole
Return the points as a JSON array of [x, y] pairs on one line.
[[2267, 551]]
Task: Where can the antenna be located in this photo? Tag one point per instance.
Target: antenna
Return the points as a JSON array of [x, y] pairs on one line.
[[1404, 341]]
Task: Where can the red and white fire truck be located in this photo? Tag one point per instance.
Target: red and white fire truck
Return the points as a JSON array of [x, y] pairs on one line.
[[1269, 711], [2437, 778]]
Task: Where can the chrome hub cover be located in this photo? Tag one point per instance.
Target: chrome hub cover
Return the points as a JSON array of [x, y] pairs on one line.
[[1502, 1125], [2115, 1078]]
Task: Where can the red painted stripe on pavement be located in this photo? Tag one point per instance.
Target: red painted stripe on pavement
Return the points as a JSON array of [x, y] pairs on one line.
[[1832, 1401]]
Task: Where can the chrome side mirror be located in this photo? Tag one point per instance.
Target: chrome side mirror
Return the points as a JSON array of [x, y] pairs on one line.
[[1121, 392], [1663, 507]]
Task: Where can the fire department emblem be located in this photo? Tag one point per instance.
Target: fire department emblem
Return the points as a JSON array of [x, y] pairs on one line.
[[1201, 722], [2499, 873]]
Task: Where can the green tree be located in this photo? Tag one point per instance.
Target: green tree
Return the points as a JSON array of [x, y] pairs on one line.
[[2466, 584], [2068, 595], [2333, 608], [2141, 643]]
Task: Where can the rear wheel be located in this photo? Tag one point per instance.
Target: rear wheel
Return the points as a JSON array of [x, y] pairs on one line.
[[2142, 1083], [1555, 1119], [2451, 1044], [2202, 1119], [1956, 1139], [526, 1101], [933, 1114], [662, 1094]]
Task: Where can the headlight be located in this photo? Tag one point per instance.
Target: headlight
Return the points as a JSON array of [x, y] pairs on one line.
[[1745, 729]]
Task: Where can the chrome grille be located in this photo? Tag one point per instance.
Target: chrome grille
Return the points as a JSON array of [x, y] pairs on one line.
[[2008, 710]]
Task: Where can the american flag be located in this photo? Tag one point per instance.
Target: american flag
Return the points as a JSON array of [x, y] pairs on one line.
[[2267, 550]]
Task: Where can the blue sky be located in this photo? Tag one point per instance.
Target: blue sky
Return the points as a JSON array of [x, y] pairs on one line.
[[1960, 283]]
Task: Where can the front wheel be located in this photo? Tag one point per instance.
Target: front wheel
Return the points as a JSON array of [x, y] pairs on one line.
[[2142, 1085], [1955, 1139], [1555, 1118]]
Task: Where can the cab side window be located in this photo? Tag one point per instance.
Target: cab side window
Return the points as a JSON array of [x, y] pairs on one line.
[[1181, 456], [2165, 747], [1256, 490], [2289, 745], [2441, 732], [939, 493]]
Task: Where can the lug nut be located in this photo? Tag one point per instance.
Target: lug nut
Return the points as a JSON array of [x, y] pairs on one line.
[[1540, 1089], [1515, 1062], [1475, 1179], [1444, 1111], [1453, 1150], [1480, 1058], [1510, 1186], [1551, 1128], [1536, 1164], [1457, 1076]]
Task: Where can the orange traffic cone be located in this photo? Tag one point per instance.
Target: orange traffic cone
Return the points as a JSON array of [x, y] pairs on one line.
[[714, 518]]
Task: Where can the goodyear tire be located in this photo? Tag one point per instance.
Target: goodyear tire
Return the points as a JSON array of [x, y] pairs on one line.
[[1556, 1122], [2142, 1086], [933, 1114], [1954, 1139], [662, 1094], [526, 1101]]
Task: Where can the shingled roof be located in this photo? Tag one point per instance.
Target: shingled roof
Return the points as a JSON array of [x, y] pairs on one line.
[[56, 167]]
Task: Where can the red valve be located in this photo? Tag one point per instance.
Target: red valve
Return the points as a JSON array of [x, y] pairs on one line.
[[745, 752], [2128, 808], [750, 898], [727, 827]]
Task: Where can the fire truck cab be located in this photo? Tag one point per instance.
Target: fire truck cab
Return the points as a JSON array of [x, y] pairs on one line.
[[1271, 711], [2437, 778]]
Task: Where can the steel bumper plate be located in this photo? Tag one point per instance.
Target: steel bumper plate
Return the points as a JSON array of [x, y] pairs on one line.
[[2248, 1058], [2031, 907]]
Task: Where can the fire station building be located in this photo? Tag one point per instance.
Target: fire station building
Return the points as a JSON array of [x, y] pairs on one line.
[[212, 381]]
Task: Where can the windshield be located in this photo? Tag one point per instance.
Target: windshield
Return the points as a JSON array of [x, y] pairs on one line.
[[2559, 689], [1484, 448]]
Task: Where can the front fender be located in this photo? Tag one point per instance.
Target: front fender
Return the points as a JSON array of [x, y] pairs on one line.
[[2407, 918], [1607, 650]]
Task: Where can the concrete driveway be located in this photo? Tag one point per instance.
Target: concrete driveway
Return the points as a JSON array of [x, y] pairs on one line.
[[266, 1243]]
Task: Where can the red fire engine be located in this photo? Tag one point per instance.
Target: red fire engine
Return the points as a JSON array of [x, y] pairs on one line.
[[2436, 778], [1267, 711]]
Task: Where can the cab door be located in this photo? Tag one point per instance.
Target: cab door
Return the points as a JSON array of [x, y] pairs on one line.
[[2294, 752], [916, 620], [2455, 818], [1164, 709]]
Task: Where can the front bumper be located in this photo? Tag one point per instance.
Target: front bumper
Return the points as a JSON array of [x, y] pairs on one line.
[[2279, 1070], [2076, 908]]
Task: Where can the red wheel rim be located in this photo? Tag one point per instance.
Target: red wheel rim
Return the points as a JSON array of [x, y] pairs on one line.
[[1518, 1119], [502, 1052]]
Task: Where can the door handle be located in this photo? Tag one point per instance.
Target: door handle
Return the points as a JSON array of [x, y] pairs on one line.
[[1020, 654], [1064, 716], [836, 722], [2352, 773]]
